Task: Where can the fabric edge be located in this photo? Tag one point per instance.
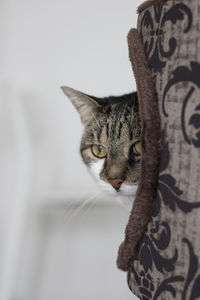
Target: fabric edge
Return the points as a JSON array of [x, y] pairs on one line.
[[146, 194], [148, 3]]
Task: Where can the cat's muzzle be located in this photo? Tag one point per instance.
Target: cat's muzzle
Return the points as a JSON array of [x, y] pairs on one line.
[[116, 182]]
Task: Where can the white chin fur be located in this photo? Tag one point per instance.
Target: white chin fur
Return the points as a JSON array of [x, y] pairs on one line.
[[126, 193]]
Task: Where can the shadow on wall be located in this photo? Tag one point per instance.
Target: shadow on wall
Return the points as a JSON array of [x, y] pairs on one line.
[[46, 44]]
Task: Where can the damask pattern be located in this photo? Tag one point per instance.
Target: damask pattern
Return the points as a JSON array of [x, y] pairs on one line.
[[168, 286], [157, 239], [167, 264], [190, 75], [168, 192], [154, 25]]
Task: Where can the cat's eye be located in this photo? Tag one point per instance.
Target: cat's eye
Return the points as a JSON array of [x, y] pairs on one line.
[[136, 151], [98, 151]]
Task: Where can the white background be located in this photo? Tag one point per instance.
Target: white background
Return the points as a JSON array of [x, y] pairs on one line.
[[49, 250]]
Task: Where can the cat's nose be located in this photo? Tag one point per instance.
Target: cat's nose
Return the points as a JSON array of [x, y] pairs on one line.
[[116, 182]]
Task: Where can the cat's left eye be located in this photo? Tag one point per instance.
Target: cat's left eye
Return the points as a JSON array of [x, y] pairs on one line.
[[99, 151]]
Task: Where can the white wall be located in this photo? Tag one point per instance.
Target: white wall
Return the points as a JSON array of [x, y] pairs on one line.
[[46, 44]]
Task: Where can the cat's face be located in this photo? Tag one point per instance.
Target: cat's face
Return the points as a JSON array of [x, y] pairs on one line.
[[110, 146]]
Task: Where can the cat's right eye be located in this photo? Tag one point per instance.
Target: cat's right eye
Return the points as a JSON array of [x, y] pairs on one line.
[[98, 151], [136, 151]]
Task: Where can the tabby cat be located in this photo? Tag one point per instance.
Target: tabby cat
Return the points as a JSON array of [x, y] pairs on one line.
[[111, 142]]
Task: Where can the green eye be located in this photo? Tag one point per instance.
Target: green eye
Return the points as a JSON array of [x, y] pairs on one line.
[[98, 151], [136, 151]]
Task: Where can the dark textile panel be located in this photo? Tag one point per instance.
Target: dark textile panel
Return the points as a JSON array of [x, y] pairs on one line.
[[167, 262]]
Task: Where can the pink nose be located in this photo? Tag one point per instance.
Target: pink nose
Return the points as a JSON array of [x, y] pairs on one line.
[[116, 183]]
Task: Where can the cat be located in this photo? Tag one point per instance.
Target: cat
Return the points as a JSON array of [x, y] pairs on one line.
[[111, 142]]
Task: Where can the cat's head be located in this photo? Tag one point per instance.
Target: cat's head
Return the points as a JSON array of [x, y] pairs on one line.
[[111, 142]]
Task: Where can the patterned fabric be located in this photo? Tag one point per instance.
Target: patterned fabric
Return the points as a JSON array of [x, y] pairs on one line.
[[167, 264]]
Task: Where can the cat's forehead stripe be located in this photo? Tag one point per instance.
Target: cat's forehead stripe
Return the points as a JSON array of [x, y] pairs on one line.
[[130, 133], [120, 129], [116, 117], [107, 129], [99, 131], [117, 121]]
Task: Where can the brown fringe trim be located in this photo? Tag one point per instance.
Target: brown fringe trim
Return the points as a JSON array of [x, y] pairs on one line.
[[146, 194], [148, 3]]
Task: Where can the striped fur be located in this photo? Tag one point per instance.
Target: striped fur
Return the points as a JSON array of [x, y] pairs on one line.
[[113, 122]]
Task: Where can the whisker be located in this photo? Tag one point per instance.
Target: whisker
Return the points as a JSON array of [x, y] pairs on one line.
[[79, 208], [93, 202], [69, 206]]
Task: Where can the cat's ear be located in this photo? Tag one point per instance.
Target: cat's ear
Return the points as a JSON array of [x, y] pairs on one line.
[[84, 104]]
